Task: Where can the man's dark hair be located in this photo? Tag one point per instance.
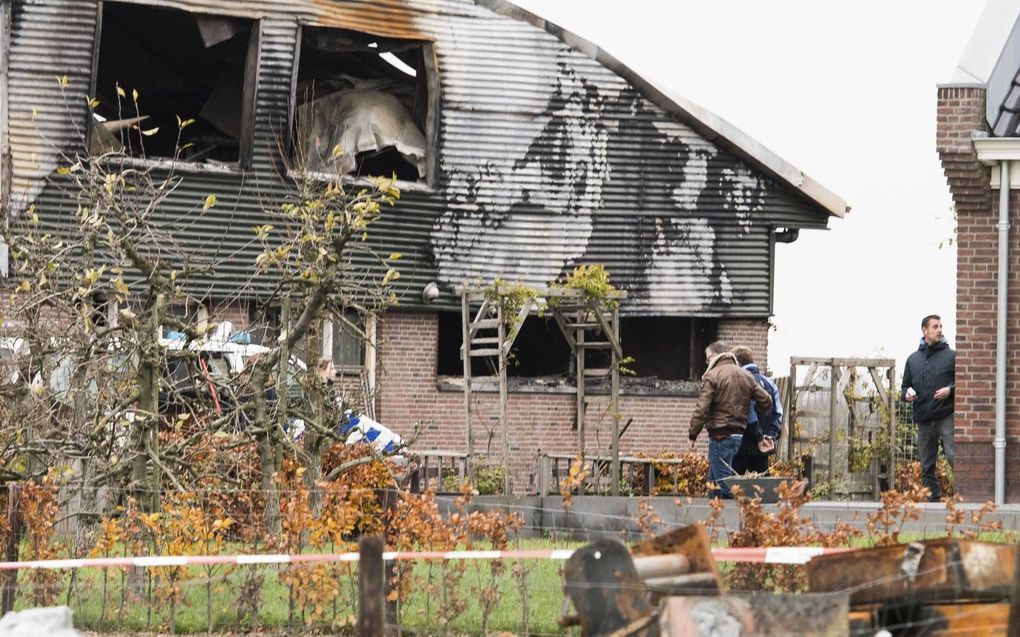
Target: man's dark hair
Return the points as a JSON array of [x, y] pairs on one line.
[[744, 355], [929, 319], [718, 347]]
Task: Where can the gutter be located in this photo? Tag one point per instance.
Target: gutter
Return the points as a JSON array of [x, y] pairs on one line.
[[1003, 151], [1000, 344]]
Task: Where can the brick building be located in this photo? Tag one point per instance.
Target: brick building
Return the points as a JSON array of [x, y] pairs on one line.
[[522, 152], [978, 140]]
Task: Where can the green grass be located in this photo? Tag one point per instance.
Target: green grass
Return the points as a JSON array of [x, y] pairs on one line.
[[540, 582], [537, 589]]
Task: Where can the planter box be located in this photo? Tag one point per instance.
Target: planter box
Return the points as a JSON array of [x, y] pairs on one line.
[[767, 485]]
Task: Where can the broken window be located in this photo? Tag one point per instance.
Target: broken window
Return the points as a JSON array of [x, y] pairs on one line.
[[362, 105], [538, 350], [664, 348], [158, 68]]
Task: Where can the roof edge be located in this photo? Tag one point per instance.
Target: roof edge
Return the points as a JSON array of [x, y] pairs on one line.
[[705, 122]]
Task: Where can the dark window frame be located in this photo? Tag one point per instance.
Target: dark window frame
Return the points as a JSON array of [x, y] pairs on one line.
[[700, 332], [432, 116], [246, 139]]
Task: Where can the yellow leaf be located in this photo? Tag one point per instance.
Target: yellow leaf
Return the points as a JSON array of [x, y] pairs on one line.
[[262, 232], [395, 256], [94, 103], [25, 286], [150, 132], [134, 95], [337, 151], [210, 201], [120, 91], [63, 81]]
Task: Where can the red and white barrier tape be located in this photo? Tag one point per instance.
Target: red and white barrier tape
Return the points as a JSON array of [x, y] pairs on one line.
[[772, 555]]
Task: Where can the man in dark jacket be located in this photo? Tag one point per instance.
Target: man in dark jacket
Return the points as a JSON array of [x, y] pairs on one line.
[[929, 381], [726, 391], [763, 427]]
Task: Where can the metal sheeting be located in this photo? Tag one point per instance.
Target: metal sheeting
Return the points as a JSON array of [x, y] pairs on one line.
[[49, 41], [547, 159]]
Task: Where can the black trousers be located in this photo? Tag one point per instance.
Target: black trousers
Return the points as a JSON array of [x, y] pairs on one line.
[[744, 463]]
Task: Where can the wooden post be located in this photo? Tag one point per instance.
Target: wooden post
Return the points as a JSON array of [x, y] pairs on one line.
[[615, 402], [10, 579], [579, 351], [465, 319], [833, 389], [892, 426], [503, 393], [791, 411], [371, 592]]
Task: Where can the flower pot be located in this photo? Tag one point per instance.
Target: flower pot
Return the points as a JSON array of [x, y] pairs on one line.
[[765, 486]]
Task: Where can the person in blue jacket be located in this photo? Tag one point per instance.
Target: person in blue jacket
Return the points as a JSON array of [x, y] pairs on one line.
[[753, 455], [929, 384]]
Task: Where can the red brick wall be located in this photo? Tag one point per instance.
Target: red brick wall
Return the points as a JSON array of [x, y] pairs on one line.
[[961, 110], [408, 395], [752, 333]]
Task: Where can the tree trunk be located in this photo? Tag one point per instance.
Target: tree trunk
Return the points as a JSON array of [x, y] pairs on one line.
[[313, 439], [267, 448], [144, 475]]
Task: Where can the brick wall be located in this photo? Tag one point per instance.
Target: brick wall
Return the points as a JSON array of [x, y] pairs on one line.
[[539, 422], [752, 333], [961, 110]]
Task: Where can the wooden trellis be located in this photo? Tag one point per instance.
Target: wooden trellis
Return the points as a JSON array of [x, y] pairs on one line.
[[881, 371], [587, 324]]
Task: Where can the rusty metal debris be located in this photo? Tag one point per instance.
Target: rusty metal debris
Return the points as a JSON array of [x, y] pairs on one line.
[[943, 586], [760, 614], [670, 585], [930, 571]]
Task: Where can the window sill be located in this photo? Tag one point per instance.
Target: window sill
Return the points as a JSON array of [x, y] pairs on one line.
[[189, 167], [347, 180], [558, 386]]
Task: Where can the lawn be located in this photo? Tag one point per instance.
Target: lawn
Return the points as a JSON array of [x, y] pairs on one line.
[[225, 592]]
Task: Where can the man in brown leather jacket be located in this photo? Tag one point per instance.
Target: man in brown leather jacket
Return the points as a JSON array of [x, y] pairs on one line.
[[726, 391]]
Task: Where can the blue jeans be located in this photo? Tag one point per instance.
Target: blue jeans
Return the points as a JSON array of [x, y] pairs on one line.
[[720, 463]]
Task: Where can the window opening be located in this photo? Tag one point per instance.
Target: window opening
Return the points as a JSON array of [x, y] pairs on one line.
[[362, 105], [539, 350], [185, 67], [659, 345]]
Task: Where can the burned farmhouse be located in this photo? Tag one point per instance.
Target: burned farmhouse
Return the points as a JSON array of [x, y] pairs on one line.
[[521, 151]]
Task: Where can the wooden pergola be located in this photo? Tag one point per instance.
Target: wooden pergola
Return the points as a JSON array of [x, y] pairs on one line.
[[587, 324], [883, 374]]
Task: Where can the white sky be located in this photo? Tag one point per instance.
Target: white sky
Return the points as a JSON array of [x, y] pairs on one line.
[[846, 92]]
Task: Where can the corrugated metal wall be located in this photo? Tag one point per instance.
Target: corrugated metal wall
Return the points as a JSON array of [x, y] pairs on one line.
[[547, 159]]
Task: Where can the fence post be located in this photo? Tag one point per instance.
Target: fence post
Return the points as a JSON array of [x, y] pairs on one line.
[[371, 621], [14, 524]]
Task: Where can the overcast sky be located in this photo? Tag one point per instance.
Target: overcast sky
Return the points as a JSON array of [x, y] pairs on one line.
[[846, 92]]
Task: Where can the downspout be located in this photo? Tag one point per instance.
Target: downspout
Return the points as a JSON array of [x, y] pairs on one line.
[[1000, 346]]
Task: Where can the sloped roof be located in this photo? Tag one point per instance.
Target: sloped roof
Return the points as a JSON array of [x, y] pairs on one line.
[[706, 123], [992, 60]]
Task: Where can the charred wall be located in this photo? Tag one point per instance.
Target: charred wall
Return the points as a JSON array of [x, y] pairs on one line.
[[541, 158]]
